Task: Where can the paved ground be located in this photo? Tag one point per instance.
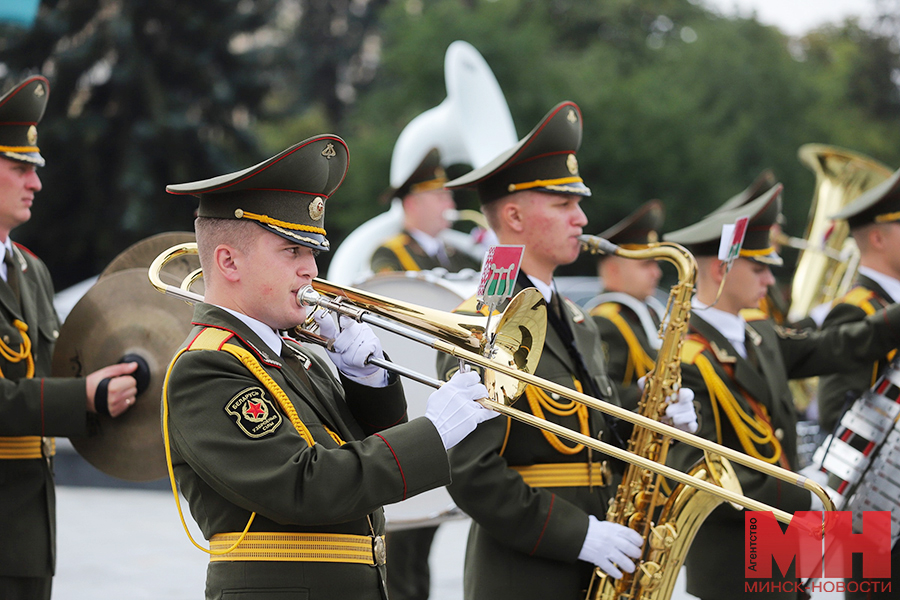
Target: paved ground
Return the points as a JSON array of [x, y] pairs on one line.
[[126, 544]]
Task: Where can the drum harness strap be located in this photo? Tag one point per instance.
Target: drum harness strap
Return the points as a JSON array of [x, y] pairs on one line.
[[275, 546], [26, 446]]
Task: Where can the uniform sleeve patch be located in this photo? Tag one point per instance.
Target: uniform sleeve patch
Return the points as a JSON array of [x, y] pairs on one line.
[[253, 413]]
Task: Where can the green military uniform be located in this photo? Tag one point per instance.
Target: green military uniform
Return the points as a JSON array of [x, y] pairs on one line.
[[838, 391], [32, 406], [325, 478], [529, 493], [745, 403], [403, 253], [312, 458], [629, 326]]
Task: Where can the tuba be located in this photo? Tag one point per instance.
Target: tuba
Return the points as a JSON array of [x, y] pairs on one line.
[[828, 256], [471, 126], [828, 259], [668, 523]]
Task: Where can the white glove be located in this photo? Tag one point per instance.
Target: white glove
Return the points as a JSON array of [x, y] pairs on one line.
[[453, 409], [816, 474], [681, 413], [353, 345], [611, 546]]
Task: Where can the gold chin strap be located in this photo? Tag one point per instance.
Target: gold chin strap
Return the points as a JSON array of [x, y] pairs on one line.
[[23, 353]]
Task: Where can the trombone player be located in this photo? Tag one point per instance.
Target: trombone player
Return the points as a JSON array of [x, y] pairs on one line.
[[537, 502], [738, 362], [269, 448]]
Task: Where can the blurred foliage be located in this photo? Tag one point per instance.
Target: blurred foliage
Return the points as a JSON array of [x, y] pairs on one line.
[[680, 103]]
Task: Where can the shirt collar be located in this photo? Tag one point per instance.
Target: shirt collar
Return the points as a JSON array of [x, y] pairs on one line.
[[431, 245], [7, 247], [268, 335], [543, 288], [732, 327], [887, 283]]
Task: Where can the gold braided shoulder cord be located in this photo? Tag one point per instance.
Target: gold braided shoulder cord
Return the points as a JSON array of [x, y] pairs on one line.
[[538, 400], [24, 351], [751, 430]]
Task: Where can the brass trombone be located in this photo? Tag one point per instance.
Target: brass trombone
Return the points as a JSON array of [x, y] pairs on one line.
[[514, 347]]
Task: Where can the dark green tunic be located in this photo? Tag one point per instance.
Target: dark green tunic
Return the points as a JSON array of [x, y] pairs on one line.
[[403, 253], [32, 407], [524, 541], [225, 473], [625, 362], [715, 562], [836, 392]]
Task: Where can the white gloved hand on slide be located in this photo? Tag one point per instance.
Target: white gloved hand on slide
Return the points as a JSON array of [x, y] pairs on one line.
[[352, 346], [453, 409]]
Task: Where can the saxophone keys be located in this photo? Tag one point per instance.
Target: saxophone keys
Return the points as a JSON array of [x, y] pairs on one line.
[[662, 537], [651, 575]]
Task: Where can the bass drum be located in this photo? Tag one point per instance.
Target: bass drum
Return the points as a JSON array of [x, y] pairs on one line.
[[433, 291]]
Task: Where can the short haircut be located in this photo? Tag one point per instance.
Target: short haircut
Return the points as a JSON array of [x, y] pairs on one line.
[[211, 232]]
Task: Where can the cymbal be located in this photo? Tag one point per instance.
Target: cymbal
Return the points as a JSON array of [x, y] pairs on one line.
[[123, 314], [142, 253]]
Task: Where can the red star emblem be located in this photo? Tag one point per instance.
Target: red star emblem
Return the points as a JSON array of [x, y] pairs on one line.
[[255, 410]]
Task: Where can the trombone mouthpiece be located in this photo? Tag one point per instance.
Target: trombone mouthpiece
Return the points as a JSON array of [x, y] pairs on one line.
[[307, 296]]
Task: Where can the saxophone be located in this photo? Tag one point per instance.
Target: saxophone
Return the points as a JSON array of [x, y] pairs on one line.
[[667, 522]]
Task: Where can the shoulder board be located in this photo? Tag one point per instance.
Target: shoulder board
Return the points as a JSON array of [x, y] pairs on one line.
[[210, 338], [576, 310], [470, 306], [690, 350], [754, 314], [860, 297], [24, 249], [606, 309]]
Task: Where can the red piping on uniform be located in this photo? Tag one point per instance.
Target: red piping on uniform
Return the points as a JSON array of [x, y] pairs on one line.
[[402, 476], [544, 528]]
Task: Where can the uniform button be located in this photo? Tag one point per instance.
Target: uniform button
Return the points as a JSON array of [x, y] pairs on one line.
[[779, 433], [55, 334]]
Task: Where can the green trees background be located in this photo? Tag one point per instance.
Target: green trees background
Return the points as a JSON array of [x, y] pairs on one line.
[[680, 103]]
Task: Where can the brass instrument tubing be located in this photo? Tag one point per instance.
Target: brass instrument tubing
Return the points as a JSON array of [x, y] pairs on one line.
[[616, 411]]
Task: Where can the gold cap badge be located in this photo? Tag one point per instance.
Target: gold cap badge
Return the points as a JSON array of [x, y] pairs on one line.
[[316, 208], [32, 135], [572, 164], [329, 152]]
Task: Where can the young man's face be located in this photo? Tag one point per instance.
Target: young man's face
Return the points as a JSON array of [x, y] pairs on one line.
[[425, 210], [637, 278], [745, 285], [552, 224], [272, 271], [19, 183]]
